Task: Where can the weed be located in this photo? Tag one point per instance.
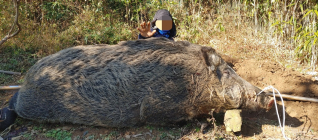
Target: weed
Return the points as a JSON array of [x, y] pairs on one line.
[[188, 125], [197, 129], [59, 134], [113, 133], [4, 78], [163, 135], [27, 136], [175, 134], [17, 60], [20, 81], [91, 137], [149, 127], [108, 137], [38, 127]]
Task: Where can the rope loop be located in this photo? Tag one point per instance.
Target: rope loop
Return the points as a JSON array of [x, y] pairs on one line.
[[282, 127]]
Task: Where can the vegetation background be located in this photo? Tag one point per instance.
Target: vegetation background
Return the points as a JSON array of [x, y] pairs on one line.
[[282, 30]]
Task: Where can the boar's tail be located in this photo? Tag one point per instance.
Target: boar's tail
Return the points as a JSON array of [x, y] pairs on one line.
[[8, 114]]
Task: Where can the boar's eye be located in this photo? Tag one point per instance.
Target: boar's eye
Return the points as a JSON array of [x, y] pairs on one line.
[[225, 73]]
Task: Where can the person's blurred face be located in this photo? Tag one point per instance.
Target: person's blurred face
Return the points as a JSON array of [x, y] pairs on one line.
[[165, 23]]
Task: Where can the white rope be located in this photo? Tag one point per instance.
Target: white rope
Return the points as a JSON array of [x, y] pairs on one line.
[[282, 127]]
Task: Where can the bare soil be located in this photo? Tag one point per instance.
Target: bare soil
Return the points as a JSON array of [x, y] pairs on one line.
[[301, 118]]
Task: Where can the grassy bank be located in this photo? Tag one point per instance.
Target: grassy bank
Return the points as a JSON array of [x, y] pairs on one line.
[[284, 31]]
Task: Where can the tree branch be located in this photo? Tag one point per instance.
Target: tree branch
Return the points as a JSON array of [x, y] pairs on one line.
[[16, 5], [10, 72]]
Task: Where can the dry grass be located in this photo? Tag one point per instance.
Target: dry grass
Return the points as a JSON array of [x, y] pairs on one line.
[[228, 26], [231, 31]]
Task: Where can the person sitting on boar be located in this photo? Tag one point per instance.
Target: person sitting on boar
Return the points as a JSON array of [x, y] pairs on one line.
[[162, 25]]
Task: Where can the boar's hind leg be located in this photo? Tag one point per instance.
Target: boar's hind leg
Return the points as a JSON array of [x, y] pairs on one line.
[[7, 114]]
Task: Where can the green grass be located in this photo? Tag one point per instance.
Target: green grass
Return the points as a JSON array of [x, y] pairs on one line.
[[163, 136], [4, 78], [27, 136], [59, 134], [17, 60], [149, 127], [40, 127]]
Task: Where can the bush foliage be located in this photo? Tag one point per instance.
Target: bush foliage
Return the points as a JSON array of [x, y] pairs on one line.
[[287, 27]]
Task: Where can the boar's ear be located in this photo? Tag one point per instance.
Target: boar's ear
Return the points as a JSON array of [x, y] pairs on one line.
[[210, 56]]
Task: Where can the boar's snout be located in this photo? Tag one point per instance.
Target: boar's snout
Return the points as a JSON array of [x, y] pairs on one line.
[[261, 101], [264, 101], [246, 91]]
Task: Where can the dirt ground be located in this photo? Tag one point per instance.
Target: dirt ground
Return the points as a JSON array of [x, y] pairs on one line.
[[301, 118]]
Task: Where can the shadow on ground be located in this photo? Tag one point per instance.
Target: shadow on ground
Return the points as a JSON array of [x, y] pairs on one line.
[[254, 121]]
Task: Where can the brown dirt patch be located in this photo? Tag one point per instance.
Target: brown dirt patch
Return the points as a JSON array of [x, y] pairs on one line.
[[301, 117]]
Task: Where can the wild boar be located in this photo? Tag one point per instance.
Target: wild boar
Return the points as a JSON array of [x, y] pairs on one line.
[[151, 81]]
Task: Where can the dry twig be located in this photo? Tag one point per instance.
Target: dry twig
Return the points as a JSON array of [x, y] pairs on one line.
[[10, 72], [9, 35]]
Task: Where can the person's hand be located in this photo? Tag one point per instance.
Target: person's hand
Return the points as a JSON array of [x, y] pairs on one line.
[[145, 30]]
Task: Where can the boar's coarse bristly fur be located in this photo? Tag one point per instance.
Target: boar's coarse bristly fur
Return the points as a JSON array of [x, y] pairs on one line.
[[153, 81]]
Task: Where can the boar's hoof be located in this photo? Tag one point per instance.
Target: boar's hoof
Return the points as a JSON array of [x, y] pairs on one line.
[[7, 118]]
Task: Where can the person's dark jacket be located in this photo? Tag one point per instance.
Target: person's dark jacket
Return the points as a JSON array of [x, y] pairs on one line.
[[155, 35]]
